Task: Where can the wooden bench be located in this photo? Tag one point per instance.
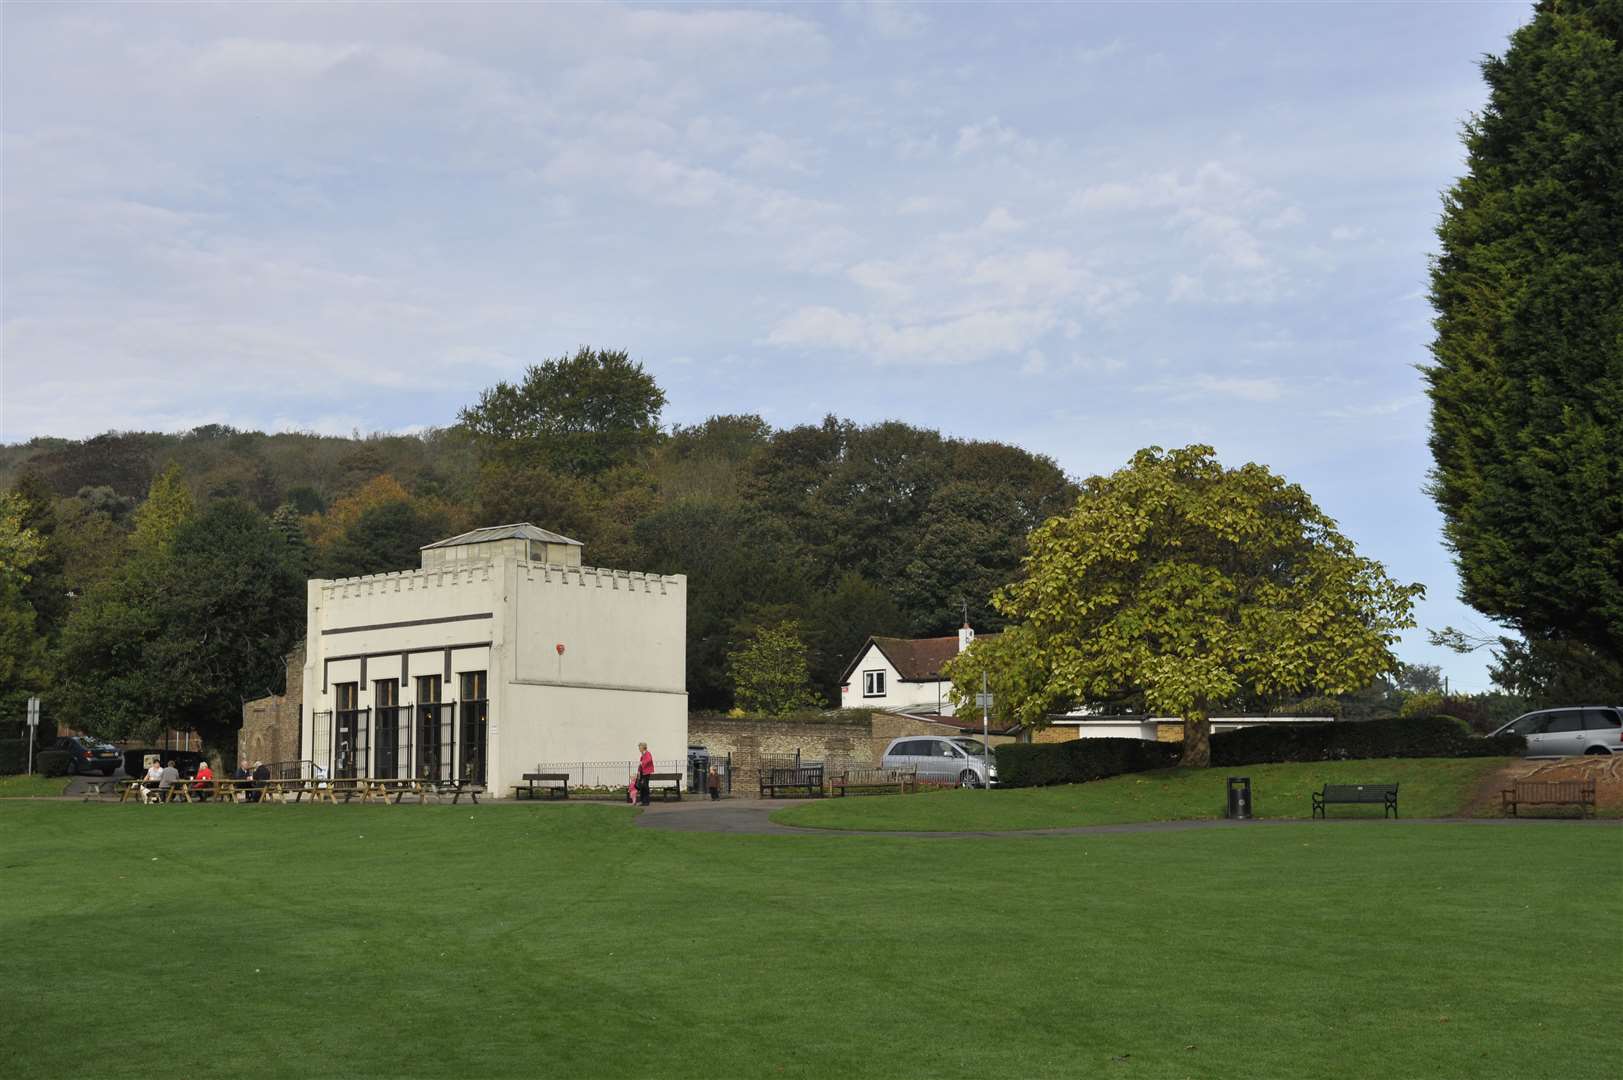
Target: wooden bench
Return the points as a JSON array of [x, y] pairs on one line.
[[668, 782], [1579, 793], [900, 781], [1384, 795], [555, 784], [806, 777]]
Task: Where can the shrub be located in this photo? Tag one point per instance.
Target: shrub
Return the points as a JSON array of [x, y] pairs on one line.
[[1416, 705], [1313, 706], [13, 756], [52, 762], [1079, 760], [1430, 736]]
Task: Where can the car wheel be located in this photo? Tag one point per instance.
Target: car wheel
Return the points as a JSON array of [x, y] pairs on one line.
[[1597, 750], [968, 779]]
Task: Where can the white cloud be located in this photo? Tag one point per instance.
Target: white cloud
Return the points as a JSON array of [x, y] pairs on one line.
[[1096, 53], [989, 134], [1035, 363], [888, 18]]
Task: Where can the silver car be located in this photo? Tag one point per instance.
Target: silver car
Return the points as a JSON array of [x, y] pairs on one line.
[[1589, 729], [939, 760]]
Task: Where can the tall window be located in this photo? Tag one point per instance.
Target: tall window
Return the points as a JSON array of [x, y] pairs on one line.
[[433, 742], [349, 735], [390, 732], [475, 705], [873, 684]]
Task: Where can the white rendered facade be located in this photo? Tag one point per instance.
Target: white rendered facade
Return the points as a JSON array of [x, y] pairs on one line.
[[496, 657]]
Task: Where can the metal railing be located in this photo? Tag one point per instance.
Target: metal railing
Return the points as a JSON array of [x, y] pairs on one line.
[[608, 777]]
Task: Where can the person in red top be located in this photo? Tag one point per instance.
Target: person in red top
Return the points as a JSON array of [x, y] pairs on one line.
[[204, 773], [645, 769]]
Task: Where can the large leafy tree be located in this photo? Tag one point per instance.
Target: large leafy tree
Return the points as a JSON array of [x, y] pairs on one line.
[[184, 634], [1527, 381], [580, 414], [1192, 585], [22, 654]]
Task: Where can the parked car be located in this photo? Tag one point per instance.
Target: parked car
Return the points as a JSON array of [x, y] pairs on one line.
[[940, 760], [1586, 729], [87, 755]]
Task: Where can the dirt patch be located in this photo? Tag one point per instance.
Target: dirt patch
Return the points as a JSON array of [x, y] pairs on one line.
[[1607, 772]]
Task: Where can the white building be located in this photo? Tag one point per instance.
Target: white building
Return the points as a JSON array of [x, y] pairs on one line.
[[501, 653], [903, 674]]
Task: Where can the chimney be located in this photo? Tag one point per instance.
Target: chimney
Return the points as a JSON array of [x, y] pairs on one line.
[[965, 636]]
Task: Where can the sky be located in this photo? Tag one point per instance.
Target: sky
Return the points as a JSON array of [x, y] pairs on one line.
[[1080, 228]]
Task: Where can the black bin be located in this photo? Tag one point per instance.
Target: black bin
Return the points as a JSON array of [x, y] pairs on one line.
[[698, 767], [1239, 806]]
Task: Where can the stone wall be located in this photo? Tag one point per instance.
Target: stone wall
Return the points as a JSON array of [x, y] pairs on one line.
[[270, 725], [847, 742]]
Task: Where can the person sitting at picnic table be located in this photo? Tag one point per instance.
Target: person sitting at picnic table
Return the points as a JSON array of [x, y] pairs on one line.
[[204, 781], [150, 781], [166, 778], [261, 775]]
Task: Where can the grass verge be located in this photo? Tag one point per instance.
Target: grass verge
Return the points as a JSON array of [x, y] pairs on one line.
[[403, 941], [12, 787], [1428, 787]]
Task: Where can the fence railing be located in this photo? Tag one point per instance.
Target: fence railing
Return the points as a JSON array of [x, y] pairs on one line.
[[608, 775]]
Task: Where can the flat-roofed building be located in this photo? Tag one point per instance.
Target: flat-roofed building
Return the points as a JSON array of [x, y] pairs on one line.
[[502, 652]]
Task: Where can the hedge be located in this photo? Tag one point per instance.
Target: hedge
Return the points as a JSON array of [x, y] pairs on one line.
[[1411, 737], [1079, 760], [13, 756], [52, 762]]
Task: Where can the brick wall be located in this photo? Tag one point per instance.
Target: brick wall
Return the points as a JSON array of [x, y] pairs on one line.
[[270, 725]]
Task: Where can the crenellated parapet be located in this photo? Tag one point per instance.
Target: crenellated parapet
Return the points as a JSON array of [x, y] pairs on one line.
[[593, 577], [448, 577]]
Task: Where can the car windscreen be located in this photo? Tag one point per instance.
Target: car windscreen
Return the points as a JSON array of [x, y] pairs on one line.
[[970, 746]]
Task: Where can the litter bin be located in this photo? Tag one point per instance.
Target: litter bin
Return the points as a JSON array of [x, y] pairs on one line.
[[698, 766], [1240, 798]]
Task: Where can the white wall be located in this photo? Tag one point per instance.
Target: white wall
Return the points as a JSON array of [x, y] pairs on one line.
[[621, 678]]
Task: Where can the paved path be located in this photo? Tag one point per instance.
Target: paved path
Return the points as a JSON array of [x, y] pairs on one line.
[[752, 817]]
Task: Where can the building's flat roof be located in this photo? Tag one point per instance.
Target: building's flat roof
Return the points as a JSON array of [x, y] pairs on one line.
[[522, 530]]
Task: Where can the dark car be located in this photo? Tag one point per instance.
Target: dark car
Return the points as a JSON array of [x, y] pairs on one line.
[[87, 755]]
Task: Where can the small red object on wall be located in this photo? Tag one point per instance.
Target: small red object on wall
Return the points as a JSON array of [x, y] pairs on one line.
[[560, 648]]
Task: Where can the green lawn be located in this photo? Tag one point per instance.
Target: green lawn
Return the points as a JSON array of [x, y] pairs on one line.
[[13, 786], [1428, 787], [519, 941]]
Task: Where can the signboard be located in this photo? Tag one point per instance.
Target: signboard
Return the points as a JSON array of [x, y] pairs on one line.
[[33, 712], [983, 701]]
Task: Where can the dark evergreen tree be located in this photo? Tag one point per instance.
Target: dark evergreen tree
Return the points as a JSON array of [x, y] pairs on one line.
[[1527, 381]]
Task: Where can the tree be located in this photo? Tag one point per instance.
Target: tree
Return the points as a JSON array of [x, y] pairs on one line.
[[738, 561], [22, 652], [768, 671], [383, 539], [580, 414], [1193, 585], [183, 636], [168, 505], [1526, 386]]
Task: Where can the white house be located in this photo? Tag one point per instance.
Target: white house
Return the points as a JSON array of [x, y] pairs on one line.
[[903, 674], [502, 652]]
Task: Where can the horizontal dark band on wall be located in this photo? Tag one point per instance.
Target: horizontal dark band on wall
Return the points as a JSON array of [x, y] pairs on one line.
[[407, 622], [407, 652]]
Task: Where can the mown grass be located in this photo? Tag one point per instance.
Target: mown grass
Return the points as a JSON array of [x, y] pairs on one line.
[[1427, 787], [518, 941], [12, 787]]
